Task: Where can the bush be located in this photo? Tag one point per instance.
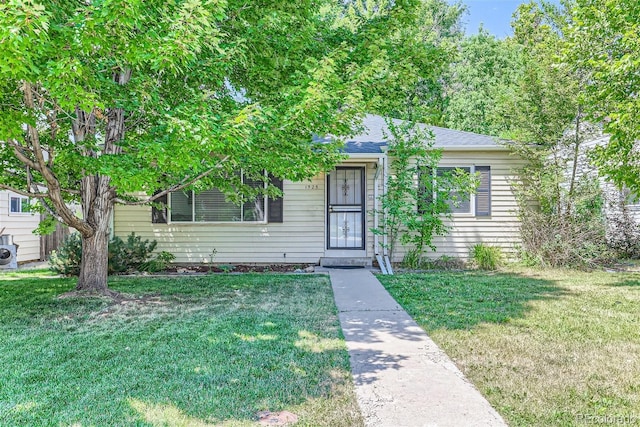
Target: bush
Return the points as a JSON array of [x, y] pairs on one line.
[[128, 256], [159, 263], [556, 241], [413, 261], [66, 260], [486, 257]]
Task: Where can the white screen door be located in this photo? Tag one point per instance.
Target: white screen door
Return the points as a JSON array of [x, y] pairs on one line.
[[345, 209]]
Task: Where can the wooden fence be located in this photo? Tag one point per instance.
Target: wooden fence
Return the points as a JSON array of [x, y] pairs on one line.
[[51, 241]]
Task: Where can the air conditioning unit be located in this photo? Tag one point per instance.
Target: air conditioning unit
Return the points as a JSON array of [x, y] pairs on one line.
[[8, 257], [8, 252]]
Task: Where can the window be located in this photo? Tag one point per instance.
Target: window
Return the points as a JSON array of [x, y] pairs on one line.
[[478, 203], [18, 204], [212, 206]]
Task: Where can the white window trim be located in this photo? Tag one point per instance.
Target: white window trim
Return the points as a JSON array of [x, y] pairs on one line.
[[21, 212], [472, 195]]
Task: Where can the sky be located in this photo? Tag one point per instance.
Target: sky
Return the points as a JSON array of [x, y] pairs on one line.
[[495, 15]]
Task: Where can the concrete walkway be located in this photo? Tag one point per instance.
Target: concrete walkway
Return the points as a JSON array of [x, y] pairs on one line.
[[402, 377]]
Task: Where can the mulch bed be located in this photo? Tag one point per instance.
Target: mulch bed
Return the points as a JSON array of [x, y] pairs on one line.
[[236, 268]]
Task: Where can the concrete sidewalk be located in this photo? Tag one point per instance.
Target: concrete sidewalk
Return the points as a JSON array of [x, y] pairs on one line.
[[402, 377]]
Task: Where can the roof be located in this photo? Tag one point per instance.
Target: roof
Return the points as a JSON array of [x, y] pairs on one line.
[[373, 140]]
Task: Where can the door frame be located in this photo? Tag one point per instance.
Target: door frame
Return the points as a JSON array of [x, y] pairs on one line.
[[363, 207]]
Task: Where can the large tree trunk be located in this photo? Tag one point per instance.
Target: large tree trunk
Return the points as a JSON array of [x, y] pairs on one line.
[[94, 267], [97, 206], [98, 197]]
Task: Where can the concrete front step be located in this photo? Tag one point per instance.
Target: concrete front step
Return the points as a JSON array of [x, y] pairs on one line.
[[345, 262]]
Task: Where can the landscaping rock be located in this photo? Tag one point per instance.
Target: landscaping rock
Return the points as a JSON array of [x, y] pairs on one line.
[[310, 269]]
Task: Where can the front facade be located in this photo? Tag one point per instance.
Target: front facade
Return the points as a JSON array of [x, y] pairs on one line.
[[18, 222], [331, 215]]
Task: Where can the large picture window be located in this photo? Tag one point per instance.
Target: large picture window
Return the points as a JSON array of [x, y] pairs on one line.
[[212, 206], [478, 203]]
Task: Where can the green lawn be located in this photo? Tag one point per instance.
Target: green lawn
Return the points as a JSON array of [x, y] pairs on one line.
[[181, 351], [554, 348]]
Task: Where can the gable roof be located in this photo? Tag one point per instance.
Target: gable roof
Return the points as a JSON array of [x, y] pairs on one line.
[[372, 140]]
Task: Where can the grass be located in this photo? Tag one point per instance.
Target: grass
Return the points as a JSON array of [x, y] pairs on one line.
[[182, 351], [552, 348]]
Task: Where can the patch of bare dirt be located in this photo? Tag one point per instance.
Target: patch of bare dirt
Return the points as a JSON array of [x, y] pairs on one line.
[[284, 418]]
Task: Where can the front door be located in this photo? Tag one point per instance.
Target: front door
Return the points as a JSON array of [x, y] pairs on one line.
[[345, 208]]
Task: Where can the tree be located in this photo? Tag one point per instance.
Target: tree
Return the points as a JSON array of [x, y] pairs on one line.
[[485, 73], [118, 101], [418, 198], [604, 40], [560, 207], [411, 52]]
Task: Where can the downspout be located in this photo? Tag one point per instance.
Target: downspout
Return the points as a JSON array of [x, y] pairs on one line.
[[376, 194], [385, 174]]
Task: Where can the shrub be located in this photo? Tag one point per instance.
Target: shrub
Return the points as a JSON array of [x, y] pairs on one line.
[[556, 241], [413, 261], [131, 255], [66, 259], [159, 263], [486, 257]]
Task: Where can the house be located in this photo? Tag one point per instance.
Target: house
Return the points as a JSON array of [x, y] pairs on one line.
[[17, 221], [330, 216]]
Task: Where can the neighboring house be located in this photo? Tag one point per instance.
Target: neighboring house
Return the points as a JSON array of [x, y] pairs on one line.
[[616, 198], [16, 220], [330, 216]]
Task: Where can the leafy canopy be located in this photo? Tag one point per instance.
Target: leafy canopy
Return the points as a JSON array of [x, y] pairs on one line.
[[206, 88]]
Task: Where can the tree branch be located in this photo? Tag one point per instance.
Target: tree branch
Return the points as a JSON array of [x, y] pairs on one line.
[[22, 192], [185, 183], [53, 185], [18, 151]]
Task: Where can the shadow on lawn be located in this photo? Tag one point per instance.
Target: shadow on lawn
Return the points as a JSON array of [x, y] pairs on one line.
[[630, 283], [218, 350], [463, 300]]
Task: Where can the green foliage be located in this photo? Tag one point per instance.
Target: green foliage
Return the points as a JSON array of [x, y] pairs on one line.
[[67, 258], [412, 260], [559, 197], [604, 42], [207, 88], [410, 44], [479, 81], [131, 255], [486, 257], [159, 263], [416, 203], [417, 261], [46, 226], [226, 268]]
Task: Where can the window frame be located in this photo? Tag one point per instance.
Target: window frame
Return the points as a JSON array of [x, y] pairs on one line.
[[22, 201], [473, 203], [241, 206]]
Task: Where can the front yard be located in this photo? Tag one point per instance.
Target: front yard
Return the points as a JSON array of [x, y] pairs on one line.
[[555, 348], [196, 351]]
